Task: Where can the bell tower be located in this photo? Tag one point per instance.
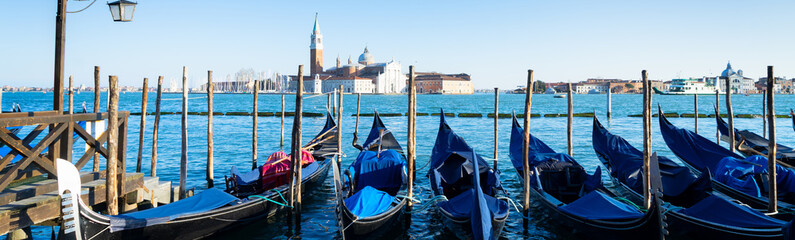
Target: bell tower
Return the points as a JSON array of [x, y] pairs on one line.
[[316, 50]]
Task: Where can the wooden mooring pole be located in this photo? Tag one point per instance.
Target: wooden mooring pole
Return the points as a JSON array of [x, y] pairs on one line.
[[411, 137], [183, 160], [570, 127], [338, 107], [528, 103], [695, 110], [609, 101], [281, 135], [153, 170], [730, 114], [111, 183], [717, 109], [210, 167], [646, 139], [144, 95], [764, 109], [254, 115], [95, 166], [358, 107], [295, 180], [496, 124], [71, 97], [771, 154]]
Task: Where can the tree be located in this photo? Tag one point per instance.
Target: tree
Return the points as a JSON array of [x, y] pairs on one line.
[[629, 86], [539, 86], [618, 89]]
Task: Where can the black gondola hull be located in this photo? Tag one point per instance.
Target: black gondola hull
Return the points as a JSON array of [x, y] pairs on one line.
[[374, 227], [205, 224], [462, 228]]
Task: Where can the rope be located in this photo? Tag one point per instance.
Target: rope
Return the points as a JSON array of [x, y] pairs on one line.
[[268, 199], [428, 204], [516, 206], [346, 227], [89, 5], [627, 201]]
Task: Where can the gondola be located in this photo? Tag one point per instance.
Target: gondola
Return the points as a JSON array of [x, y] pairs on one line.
[[204, 214], [576, 200], [469, 207], [372, 205], [691, 208], [750, 144], [749, 187]]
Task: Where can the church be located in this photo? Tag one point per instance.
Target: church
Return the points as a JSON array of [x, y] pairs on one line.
[[363, 76]]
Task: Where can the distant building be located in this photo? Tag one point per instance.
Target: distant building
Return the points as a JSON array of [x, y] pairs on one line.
[[386, 77], [740, 84], [431, 82], [781, 85]]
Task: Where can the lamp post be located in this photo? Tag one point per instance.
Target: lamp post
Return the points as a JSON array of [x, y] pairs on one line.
[[121, 11]]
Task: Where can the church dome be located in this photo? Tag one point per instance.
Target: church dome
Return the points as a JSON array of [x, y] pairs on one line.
[[366, 58], [728, 72]]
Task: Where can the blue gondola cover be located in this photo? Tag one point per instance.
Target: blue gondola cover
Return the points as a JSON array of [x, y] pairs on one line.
[[598, 206], [386, 171], [719, 210], [204, 201], [692, 148], [369, 202]]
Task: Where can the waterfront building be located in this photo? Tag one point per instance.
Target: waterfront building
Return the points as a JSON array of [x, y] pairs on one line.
[[431, 82], [781, 85], [740, 83], [384, 77]]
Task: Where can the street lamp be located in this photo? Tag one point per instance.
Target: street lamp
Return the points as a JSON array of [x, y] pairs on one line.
[[122, 10]]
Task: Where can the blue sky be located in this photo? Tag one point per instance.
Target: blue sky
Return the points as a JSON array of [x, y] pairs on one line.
[[494, 42]]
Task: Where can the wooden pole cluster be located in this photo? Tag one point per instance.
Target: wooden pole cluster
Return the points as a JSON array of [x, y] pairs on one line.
[[71, 97], [183, 160], [496, 124], [281, 135], [646, 139], [570, 127], [411, 132], [730, 114], [153, 170], [95, 166], [254, 115], [695, 109], [111, 188], [528, 101], [771, 155], [295, 181], [144, 95], [210, 167], [717, 110]]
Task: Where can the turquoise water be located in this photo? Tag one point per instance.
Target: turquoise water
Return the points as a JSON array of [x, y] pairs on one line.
[[233, 140]]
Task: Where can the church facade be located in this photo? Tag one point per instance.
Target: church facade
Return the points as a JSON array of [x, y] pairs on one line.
[[363, 76], [739, 83]]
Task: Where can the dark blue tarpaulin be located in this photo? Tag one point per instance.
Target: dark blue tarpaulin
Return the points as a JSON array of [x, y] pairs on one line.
[[369, 202], [387, 140], [625, 163], [384, 172], [719, 210], [538, 150], [739, 173], [597, 205], [204, 201], [692, 148]]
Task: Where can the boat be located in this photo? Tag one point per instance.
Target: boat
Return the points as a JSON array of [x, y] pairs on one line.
[[470, 207], [209, 212], [560, 96], [691, 208], [575, 200], [595, 91], [550, 91], [688, 86], [702, 155], [750, 144], [375, 201]]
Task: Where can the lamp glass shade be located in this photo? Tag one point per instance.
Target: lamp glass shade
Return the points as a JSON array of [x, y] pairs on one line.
[[122, 10]]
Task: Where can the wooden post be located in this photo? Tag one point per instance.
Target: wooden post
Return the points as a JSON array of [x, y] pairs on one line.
[[528, 103], [153, 170], [328, 103], [695, 109], [496, 124], [111, 182], [95, 166], [339, 127], [358, 107], [764, 109], [210, 164], [281, 135], [60, 41], [71, 97], [717, 109], [183, 160], [295, 180], [646, 139], [254, 115], [570, 127], [609, 101], [144, 95], [771, 154], [411, 137], [730, 113]]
